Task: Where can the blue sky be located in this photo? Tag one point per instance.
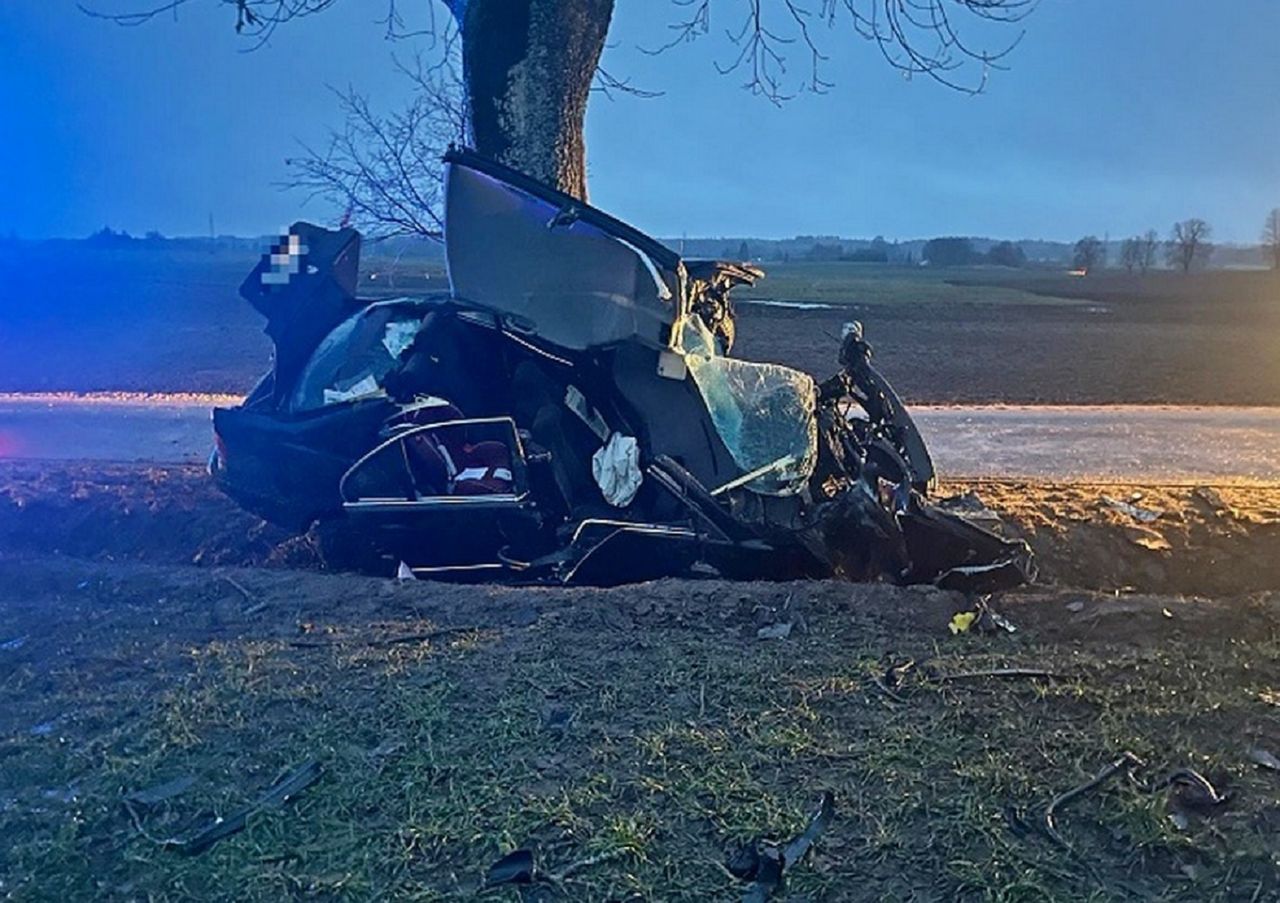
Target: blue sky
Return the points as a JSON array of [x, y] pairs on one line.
[[1116, 116]]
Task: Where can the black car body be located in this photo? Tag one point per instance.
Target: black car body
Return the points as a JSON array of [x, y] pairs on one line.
[[569, 412]]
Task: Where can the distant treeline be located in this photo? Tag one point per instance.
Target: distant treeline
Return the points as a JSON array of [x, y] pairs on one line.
[[942, 251], [949, 251]]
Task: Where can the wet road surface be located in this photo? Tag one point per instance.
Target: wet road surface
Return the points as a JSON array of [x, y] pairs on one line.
[[1165, 444]]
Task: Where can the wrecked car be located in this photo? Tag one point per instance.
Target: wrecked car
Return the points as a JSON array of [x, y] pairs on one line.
[[569, 412]]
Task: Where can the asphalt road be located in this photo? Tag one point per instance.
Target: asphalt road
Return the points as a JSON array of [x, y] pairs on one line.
[[1157, 444]]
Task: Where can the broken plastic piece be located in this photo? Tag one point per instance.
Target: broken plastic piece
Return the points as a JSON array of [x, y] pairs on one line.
[[577, 402], [962, 622], [279, 793], [404, 573], [765, 864], [986, 578], [399, 336], [517, 867], [154, 795], [1142, 515], [362, 388], [1263, 758]]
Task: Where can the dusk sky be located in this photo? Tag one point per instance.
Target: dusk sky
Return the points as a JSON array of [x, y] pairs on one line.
[[1116, 116]]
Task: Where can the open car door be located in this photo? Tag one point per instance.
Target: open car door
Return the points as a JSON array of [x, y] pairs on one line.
[[463, 482], [552, 266]]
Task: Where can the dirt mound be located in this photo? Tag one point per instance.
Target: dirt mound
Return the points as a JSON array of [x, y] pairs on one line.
[[1194, 540], [126, 512], [1179, 540]]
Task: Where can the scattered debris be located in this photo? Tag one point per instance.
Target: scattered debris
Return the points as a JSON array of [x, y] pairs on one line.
[[397, 640], [556, 717], [961, 622], [1264, 759], [990, 620], [765, 863], [1213, 499], [775, 631], [892, 680], [883, 687], [240, 588], [279, 793], [1141, 515], [44, 728], [1147, 538], [520, 868], [971, 507], [561, 875], [1014, 570], [1127, 762], [517, 867], [1029, 673], [1191, 791], [159, 793], [14, 644], [1076, 606]]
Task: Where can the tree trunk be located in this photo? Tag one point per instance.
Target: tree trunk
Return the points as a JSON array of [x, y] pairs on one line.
[[529, 65]]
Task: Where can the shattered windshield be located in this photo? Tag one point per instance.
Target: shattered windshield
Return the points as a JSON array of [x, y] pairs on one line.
[[355, 358], [764, 413]]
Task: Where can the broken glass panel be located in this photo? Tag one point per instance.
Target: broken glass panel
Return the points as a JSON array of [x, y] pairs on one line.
[[764, 413]]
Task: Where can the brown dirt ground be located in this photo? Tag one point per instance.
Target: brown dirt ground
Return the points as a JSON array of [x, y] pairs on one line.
[[645, 729], [1212, 541], [162, 632]]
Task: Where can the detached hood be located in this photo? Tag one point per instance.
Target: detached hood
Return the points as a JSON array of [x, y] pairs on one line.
[[553, 266], [305, 285]]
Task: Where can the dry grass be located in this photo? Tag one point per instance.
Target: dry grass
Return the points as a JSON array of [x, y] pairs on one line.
[[646, 727]]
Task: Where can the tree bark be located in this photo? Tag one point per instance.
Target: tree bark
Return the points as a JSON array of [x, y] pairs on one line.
[[528, 66]]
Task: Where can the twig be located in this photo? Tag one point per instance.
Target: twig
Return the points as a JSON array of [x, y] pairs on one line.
[[239, 587], [386, 641], [1126, 761], [1032, 673], [884, 688], [559, 877]]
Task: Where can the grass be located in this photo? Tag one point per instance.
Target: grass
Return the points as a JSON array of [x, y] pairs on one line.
[[646, 745], [838, 282]]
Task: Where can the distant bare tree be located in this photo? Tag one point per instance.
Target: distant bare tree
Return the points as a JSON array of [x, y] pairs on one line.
[[1188, 244], [1271, 237], [1150, 245], [384, 169], [1090, 254], [1131, 253]]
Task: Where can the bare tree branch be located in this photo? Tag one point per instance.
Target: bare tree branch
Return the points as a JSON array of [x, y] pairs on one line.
[[917, 37], [385, 170], [913, 36]]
